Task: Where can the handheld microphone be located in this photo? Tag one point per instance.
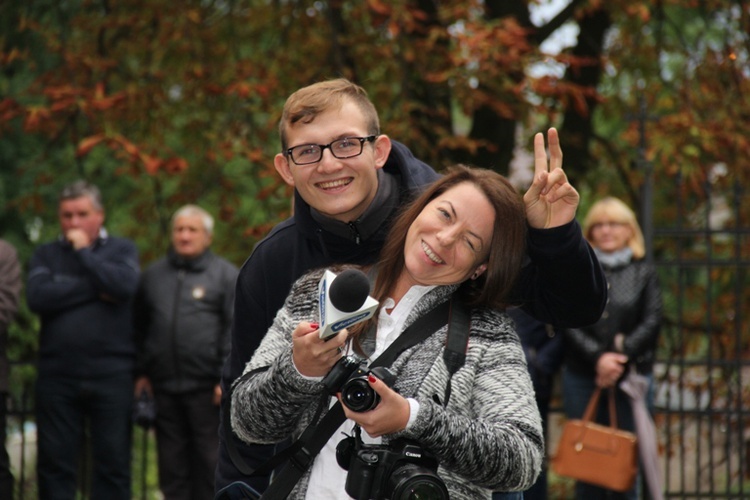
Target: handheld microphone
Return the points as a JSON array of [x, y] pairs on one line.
[[344, 300]]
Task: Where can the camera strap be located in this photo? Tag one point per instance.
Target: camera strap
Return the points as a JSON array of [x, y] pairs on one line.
[[303, 451]]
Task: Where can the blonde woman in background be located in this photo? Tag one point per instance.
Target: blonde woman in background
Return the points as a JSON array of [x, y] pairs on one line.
[[625, 335]]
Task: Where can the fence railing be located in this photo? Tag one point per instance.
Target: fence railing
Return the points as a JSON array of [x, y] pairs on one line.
[[22, 450]]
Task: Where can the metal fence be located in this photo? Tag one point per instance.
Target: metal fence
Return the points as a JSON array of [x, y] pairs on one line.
[[21, 447], [703, 256]]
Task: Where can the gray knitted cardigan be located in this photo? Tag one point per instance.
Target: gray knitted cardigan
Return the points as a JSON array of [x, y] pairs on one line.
[[488, 438]]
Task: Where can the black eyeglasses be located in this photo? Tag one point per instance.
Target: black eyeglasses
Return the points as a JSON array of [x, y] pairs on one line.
[[348, 147]]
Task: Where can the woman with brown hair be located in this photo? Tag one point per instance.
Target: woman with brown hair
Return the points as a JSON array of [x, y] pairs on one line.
[[463, 237]]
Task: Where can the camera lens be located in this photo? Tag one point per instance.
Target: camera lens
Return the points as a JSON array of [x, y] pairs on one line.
[[358, 396], [413, 482], [421, 491]]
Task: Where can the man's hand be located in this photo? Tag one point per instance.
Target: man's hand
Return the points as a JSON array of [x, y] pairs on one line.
[[550, 200], [77, 238], [217, 395], [143, 384]]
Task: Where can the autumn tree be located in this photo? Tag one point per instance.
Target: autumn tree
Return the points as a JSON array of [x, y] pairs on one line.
[[164, 103]]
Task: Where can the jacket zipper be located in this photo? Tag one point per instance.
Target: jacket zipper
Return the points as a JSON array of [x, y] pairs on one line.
[[173, 329], [357, 237]]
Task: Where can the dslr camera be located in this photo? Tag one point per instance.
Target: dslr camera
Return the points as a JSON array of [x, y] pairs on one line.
[[402, 470], [349, 377], [399, 471]]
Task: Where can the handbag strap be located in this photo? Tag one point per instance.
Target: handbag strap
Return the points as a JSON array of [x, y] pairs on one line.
[[590, 414]]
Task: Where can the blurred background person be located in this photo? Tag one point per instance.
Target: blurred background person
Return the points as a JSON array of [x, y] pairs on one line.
[[10, 291], [182, 316], [543, 348], [81, 285], [626, 335]]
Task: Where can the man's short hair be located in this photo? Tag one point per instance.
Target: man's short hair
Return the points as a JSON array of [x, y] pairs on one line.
[[193, 210], [81, 188], [308, 102]]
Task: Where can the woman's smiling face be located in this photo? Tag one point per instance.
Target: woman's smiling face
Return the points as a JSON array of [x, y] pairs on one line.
[[450, 239]]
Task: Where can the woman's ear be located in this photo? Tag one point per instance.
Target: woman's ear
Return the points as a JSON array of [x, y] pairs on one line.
[[479, 271]]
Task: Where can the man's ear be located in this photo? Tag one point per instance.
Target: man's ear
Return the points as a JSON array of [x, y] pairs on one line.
[[382, 147], [281, 163]]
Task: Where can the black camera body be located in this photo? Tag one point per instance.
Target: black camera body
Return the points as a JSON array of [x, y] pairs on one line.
[[399, 471], [349, 377]]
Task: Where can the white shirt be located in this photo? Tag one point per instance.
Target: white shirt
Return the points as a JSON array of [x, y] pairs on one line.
[[327, 478]]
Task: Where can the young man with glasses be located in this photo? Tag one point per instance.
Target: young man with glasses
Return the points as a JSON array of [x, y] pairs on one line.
[[349, 181]]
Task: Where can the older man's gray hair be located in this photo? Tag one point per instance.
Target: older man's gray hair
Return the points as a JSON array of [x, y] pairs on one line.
[[193, 210], [79, 189]]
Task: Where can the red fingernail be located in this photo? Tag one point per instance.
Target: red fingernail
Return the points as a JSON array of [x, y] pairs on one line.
[[314, 326], [371, 379]]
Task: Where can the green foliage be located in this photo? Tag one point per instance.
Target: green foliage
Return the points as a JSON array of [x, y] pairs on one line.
[[145, 473]]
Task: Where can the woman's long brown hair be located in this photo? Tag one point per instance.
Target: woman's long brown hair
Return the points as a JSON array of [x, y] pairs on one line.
[[507, 247]]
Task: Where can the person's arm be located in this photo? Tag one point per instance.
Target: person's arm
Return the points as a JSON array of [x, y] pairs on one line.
[[584, 346], [229, 274], [277, 391], [500, 423], [562, 284], [110, 275], [10, 284], [48, 291], [642, 337], [115, 275]]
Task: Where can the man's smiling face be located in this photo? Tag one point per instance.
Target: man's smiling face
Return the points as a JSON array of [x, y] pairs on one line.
[[339, 189]]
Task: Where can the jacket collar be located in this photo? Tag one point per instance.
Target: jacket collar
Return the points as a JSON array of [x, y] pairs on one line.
[[382, 206], [199, 263]]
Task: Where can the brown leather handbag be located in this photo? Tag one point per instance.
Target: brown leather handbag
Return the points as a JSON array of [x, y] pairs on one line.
[[597, 454]]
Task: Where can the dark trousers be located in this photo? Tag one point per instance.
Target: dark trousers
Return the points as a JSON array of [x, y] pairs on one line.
[[539, 489], [65, 408], [6, 478], [188, 444]]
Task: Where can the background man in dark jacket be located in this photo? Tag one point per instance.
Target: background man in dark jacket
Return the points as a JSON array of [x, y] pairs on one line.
[[183, 315], [349, 181], [10, 290], [543, 348], [81, 286]]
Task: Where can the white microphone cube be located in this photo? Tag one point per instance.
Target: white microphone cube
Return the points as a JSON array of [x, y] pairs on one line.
[[332, 320]]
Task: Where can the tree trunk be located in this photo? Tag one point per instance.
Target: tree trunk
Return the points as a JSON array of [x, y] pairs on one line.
[[577, 127]]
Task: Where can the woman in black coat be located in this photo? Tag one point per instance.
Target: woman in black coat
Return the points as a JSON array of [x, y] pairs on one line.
[[625, 335]]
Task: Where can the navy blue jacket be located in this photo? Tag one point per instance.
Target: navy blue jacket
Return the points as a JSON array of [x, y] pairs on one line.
[[562, 283], [83, 298]]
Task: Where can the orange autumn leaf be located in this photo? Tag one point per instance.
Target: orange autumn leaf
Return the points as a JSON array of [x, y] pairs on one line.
[[88, 144], [150, 163]]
